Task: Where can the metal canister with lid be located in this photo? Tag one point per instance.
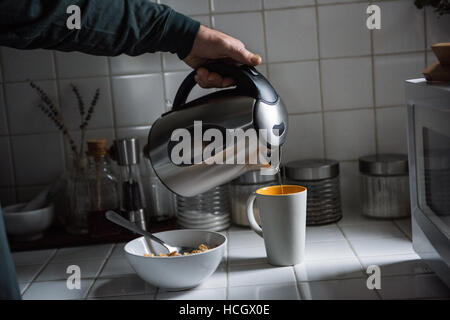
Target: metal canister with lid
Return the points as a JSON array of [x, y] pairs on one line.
[[321, 179], [241, 188], [385, 185], [208, 210]]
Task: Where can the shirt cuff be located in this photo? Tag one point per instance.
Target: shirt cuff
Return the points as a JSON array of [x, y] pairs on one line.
[[180, 33]]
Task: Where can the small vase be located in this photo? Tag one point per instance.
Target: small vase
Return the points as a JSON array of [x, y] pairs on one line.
[[78, 196]]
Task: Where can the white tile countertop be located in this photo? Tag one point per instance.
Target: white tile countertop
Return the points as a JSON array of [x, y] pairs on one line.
[[337, 257]]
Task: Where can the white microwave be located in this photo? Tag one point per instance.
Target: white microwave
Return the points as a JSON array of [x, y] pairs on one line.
[[428, 118]]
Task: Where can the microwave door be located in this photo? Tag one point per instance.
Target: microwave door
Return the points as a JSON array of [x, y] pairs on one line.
[[432, 146]]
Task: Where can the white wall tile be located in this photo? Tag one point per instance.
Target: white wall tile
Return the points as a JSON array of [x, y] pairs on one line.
[[343, 30], [38, 158], [3, 121], [402, 28], [22, 104], [349, 178], [391, 130], [383, 229], [188, 7], [346, 83], [145, 63], [138, 100], [298, 85], [23, 258], [173, 80], [58, 271], [391, 73], [382, 246], [7, 196], [52, 290], [349, 134], [347, 289], [74, 254], [291, 34], [334, 1], [437, 27], [6, 166], [247, 27], [171, 62], [316, 270], [102, 116], [269, 4], [20, 65], [25, 194], [235, 5], [75, 64], [323, 233], [259, 274], [128, 285], [264, 292], [305, 138]]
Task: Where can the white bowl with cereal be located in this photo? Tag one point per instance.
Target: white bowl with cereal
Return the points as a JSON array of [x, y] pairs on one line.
[[177, 272]]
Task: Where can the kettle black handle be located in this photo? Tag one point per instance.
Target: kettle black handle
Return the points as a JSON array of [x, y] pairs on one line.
[[248, 82]]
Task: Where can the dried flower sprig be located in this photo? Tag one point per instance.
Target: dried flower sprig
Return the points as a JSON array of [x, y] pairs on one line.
[[54, 114], [79, 99]]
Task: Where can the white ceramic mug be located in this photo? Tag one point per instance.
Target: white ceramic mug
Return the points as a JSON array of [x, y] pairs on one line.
[[282, 211]]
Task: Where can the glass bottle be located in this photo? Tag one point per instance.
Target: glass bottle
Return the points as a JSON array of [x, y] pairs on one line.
[[103, 190], [78, 199]]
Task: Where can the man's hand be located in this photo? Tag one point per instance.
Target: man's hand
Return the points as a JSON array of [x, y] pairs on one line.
[[211, 45]]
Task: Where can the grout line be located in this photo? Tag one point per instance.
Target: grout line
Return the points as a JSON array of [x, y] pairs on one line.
[[167, 105], [357, 257], [394, 221], [44, 265], [297, 284], [374, 102], [319, 66], [102, 266], [111, 95], [267, 62], [266, 39], [58, 106]]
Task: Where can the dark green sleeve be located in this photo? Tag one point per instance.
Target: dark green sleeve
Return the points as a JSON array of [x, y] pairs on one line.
[[108, 27]]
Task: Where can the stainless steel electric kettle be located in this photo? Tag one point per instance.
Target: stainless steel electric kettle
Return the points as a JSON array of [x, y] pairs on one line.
[[252, 104]]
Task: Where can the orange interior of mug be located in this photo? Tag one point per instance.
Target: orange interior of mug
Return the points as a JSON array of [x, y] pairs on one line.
[[280, 190]]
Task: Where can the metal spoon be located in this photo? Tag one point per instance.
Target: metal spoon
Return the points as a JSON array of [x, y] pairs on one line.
[[121, 221]]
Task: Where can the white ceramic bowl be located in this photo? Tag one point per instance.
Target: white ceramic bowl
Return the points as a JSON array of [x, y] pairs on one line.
[[178, 272], [27, 225]]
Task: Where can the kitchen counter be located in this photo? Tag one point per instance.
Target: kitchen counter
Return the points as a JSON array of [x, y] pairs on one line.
[[337, 257]]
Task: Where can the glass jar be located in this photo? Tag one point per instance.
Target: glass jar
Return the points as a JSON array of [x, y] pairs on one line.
[[321, 179], [161, 201], [385, 186], [241, 189], [103, 190]]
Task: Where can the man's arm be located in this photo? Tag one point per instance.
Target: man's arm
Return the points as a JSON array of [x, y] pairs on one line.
[[113, 27], [108, 27]]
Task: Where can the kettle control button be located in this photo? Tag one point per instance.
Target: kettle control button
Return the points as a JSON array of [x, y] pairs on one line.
[[253, 71], [278, 129]]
